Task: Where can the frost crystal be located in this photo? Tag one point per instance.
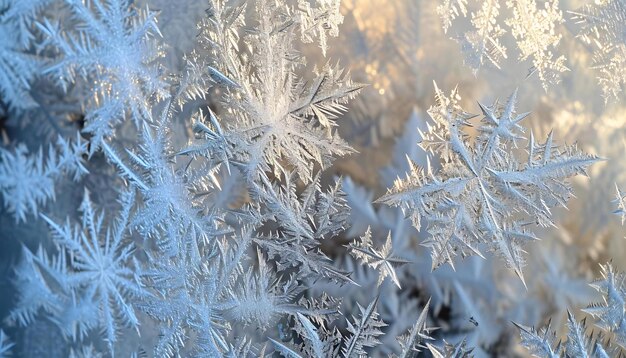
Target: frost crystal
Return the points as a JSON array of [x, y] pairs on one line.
[[534, 29], [620, 200], [539, 343], [27, 181], [580, 341], [485, 193], [611, 312], [535, 32], [17, 66], [364, 331], [278, 119], [483, 42], [5, 345], [603, 25], [229, 234], [412, 342], [379, 259], [114, 54], [317, 21], [450, 10], [89, 284], [459, 350]]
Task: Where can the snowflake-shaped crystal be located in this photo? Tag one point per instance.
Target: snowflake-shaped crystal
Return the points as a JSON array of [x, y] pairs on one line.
[[486, 192], [101, 280], [603, 25], [114, 53]]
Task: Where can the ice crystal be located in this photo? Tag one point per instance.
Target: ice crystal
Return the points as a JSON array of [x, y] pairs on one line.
[[304, 222], [536, 35], [540, 343], [450, 10], [316, 21], [534, 29], [364, 331], [459, 350], [113, 53], [379, 259], [5, 345], [611, 312], [413, 341], [581, 342], [278, 118], [482, 43], [484, 194], [18, 66], [27, 181], [89, 284], [231, 238], [603, 25], [620, 200]]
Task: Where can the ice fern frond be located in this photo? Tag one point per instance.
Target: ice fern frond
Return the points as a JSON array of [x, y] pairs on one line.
[[21, 14], [323, 99], [482, 44], [364, 331], [18, 66], [581, 342], [412, 342], [620, 200], [540, 343], [535, 32], [36, 275], [302, 221], [112, 51], [258, 297], [285, 207], [96, 291], [603, 25], [534, 29], [27, 180], [313, 344], [210, 142], [381, 259], [319, 21], [485, 193], [276, 119], [459, 350], [449, 10], [318, 348], [577, 344], [611, 312], [168, 205], [5, 345]]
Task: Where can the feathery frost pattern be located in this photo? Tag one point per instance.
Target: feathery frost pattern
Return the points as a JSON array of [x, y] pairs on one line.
[[113, 54], [27, 181], [620, 200], [90, 281], [534, 29], [244, 224], [484, 195], [379, 259], [5, 345], [581, 341], [275, 117], [535, 32], [602, 25], [18, 67], [483, 44]]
